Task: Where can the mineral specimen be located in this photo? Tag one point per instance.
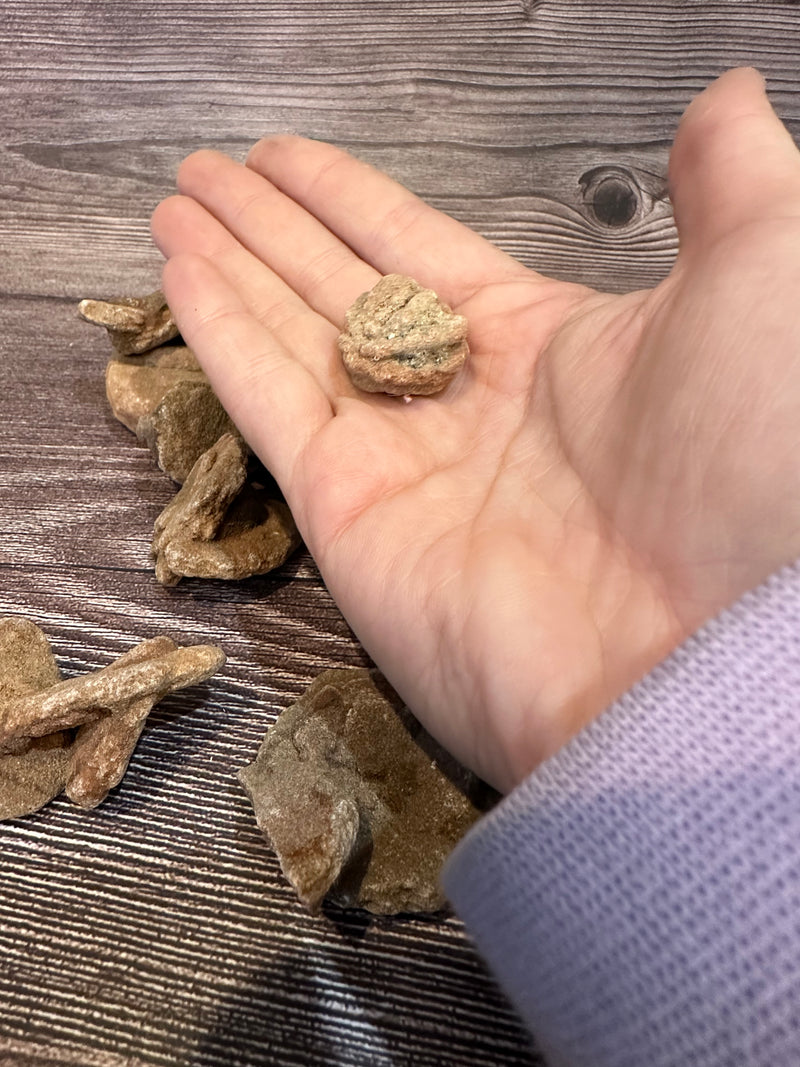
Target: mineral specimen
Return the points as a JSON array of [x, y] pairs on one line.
[[217, 526], [186, 422], [33, 776], [27, 663], [39, 752], [134, 323], [31, 779], [136, 385], [360, 804], [401, 339], [102, 749]]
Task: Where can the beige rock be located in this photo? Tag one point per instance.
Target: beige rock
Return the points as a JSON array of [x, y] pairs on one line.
[[78, 700], [134, 323], [39, 753], [187, 422], [360, 804], [217, 526], [31, 779], [32, 776], [102, 749], [401, 339], [136, 385]]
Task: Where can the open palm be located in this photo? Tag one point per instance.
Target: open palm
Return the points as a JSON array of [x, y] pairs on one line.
[[605, 474]]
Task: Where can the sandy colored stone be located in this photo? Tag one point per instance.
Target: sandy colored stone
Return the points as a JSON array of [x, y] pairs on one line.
[[27, 670], [136, 385], [401, 339], [40, 754], [33, 776], [135, 323], [27, 663], [189, 419], [78, 700], [218, 526], [31, 779], [358, 801], [101, 751]]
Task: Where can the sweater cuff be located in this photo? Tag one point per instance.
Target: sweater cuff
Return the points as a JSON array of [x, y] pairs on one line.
[[638, 896]]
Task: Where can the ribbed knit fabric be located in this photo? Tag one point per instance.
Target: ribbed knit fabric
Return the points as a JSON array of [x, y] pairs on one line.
[[638, 896]]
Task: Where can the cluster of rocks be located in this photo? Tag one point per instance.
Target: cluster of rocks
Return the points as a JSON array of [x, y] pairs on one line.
[[77, 735], [223, 523]]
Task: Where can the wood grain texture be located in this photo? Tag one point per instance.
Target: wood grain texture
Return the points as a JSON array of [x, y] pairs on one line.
[[157, 929]]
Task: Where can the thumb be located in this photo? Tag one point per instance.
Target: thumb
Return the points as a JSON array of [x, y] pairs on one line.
[[733, 162]]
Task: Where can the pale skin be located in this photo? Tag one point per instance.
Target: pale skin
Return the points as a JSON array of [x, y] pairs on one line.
[[606, 474]]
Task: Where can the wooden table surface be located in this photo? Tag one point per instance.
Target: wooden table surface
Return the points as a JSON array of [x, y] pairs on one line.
[[157, 929]]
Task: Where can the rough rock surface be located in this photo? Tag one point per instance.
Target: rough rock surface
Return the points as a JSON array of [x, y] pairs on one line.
[[401, 339], [31, 779], [33, 776], [186, 423], [136, 385], [220, 526], [360, 804], [40, 754], [134, 323], [102, 749]]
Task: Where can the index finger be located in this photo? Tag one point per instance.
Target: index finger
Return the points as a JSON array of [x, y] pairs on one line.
[[385, 224]]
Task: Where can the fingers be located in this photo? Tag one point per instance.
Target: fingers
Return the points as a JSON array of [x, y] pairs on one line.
[[311, 260], [385, 224], [733, 161], [276, 401], [180, 224]]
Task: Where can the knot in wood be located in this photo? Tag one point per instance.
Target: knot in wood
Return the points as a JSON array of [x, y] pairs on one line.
[[612, 196]]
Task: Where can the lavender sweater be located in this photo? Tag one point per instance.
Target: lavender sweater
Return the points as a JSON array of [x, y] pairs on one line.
[[638, 897]]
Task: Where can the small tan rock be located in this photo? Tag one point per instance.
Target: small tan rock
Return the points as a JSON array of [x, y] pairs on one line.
[[27, 663], [102, 750], [186, 423], [78, 700], [217, 526], [31, 777], [401, 339], [39, 754], [134, 323], [360, 804], [136, 385]]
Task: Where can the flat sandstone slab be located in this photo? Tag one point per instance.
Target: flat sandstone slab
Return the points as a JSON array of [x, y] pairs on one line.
[[358, 801]]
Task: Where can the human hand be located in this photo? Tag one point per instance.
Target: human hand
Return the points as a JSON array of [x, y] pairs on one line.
[[605, 474]]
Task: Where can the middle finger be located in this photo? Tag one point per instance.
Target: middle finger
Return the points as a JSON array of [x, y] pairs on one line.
[[318, 266], [182, 225]]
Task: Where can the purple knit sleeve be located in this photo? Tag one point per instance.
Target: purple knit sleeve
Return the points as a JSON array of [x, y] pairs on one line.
[[638, 896]]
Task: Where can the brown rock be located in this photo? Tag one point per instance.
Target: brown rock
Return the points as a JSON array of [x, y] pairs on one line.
[[401, 339], [186, 423], [136, 385], [219, 527], [360, 803], [102, 749], [134, 323], [28, 670], [79, 700], [33, 776], [31, 779], [27, 664], [39, 755]]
